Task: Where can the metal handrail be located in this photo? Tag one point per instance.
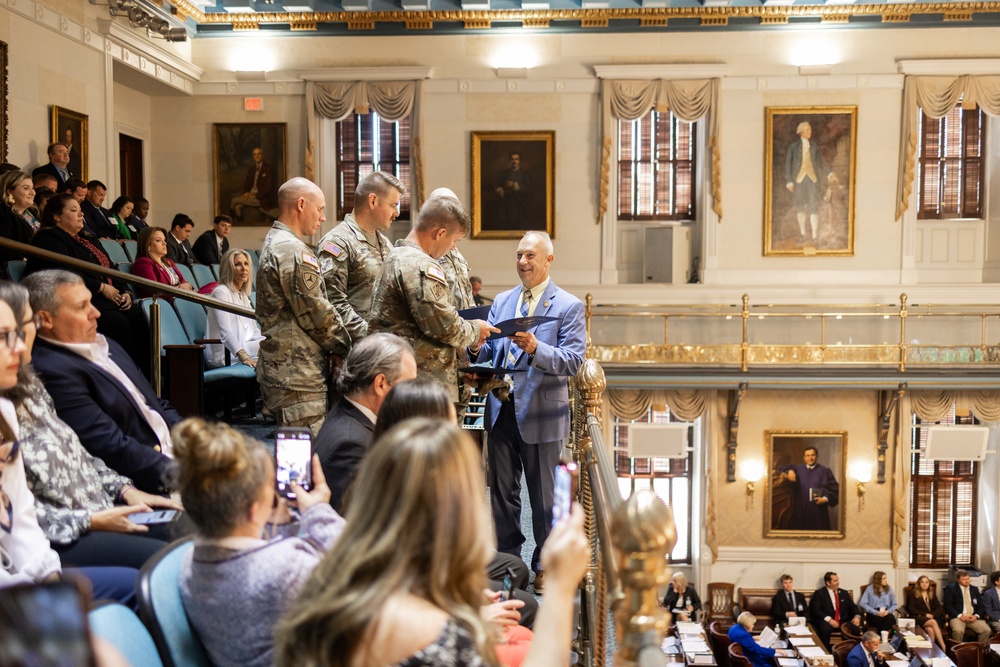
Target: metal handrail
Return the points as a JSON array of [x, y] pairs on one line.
[[158, 290]]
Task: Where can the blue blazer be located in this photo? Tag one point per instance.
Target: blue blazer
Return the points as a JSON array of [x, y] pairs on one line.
[[541, 395], [104, 414], [857, 657], [752, 651], [991, 602], [953, 602]]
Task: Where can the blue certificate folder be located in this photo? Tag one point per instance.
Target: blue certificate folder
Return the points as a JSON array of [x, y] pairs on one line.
[[477, 313], [511, 327], [486, 369]]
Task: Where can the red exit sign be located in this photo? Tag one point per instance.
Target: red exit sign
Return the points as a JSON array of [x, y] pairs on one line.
[[253, 104]]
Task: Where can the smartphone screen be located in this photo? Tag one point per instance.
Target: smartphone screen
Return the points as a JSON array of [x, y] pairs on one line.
[[44, 625], [562, 500], [293, 459], [154, 517], [508, 585]]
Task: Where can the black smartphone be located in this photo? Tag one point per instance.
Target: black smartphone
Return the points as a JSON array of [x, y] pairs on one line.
[[293, 459], [154, 517], [45, 625], [508, 585], [567, 480]]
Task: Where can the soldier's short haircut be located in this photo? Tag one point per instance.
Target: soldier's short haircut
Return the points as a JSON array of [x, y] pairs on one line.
[[377, 353], [292, 189], [378, 183], [443, 212], [43, 285]]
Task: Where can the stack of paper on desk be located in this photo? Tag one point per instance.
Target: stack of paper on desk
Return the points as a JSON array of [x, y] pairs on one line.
[[916, 641], [695, 646], [788, 662], [801, 641], [687, 628], [811, 651], [799, 630]]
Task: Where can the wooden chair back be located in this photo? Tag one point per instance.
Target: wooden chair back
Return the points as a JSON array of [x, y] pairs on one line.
[[719, 603], [841, 649]]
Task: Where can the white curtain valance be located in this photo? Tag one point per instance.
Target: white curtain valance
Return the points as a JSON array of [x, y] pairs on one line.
[[934, 405], [936, 96], [689, 100], [631, 404]]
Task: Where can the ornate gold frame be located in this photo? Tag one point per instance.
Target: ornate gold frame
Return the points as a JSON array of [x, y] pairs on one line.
[[836, 208], [790, 448], [3, 101], [63, 119], [244, 157], [490, 157]]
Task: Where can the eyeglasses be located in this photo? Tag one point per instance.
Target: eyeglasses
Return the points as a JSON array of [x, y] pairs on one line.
[[6, 525], [11, 455], [10, 338], [36, 320]]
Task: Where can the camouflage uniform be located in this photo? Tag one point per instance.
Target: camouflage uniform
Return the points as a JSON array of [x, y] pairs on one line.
[[411, 299], [300, 328], [349, 264], [456, 270]]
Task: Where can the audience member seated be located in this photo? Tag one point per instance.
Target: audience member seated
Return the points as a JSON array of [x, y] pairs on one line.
[[151, 262], [97, 389], [45, 181], [240, 335], [759, 656], [372, 367], [58, 165], [62, 233], [119, 214], [236, 584], [786, 603], [964, 605], [922, 605], [140, 213], [404, 583], [27, 555], [178, 246], [75, 187], [879, 604], [213, 244], [95, 218], [991, 602], [17, 219], [42, 197], [682, 599], [829, 607], [865, 653], [75, 492]]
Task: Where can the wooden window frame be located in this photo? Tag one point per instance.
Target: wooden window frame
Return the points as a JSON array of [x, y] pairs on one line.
[[358, 158], [651, 470], [960, 471], [943, 150], [655, 153]]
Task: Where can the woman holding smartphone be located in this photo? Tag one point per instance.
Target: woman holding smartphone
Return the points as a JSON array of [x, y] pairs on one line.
[[226, 481], [404, 583]]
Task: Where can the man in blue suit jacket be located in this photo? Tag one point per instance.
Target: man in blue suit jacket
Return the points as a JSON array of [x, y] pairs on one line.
[[97, 388], [991, 602], [866, 653], [527, 431], [965, 613]]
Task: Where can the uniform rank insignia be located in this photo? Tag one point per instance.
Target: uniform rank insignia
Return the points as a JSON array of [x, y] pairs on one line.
[[326, 264], [333, 249], [434, 271], [310, 259], [309, 280]]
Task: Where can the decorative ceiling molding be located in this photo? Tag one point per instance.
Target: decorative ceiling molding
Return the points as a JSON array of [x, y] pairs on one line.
[[673, 71], [406, 73], [949, 66]]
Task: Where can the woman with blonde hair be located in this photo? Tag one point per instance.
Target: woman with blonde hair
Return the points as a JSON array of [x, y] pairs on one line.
[[226, 481], [923, 606], [879, 604], [240, 336], [404, 583], [759, 656], [682, 599]]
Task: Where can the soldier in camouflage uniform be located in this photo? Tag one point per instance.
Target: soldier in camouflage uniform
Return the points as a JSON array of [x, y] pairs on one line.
[[351, 253], [300, 325], [411, 297]]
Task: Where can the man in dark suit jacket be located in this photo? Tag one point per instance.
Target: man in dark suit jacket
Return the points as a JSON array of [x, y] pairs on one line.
[[213, 244], [98, 390], [830, 607], [58, 165], [866, 654], [95, 218], [370, 370], [178, 247], [964, 605], [786, 603]]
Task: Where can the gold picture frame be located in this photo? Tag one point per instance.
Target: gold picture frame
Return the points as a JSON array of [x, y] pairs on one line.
[[809, 197], [3, 102], [233, 146], [800, 502], [513, 184], [70, 128]]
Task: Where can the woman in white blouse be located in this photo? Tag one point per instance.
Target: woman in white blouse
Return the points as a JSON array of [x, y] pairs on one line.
[[240, 335]]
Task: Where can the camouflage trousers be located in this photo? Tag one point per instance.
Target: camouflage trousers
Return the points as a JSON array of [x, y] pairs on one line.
[[295, 408]]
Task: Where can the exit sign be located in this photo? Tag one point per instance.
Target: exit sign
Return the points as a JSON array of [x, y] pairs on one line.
[[253, 104]]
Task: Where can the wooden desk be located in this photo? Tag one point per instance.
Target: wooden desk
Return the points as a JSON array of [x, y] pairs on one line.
[[926, 655]]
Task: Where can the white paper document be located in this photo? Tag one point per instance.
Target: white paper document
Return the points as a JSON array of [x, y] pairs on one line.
[[687, 628], [801, 641], [767, 637], [797, 630], [788, 662], [813, 651]]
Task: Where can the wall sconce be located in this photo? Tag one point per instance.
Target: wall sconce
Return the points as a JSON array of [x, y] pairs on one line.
[[862, 472], [751, 471]]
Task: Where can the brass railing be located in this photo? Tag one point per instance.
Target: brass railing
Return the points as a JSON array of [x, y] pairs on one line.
[[629, 543], [158, 289], [890, 336]]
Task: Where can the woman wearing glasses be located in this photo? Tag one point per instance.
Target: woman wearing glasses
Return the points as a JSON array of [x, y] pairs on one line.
[[25, 554]]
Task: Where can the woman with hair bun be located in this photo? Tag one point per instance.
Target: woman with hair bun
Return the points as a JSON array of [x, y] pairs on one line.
[[226, 482]]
